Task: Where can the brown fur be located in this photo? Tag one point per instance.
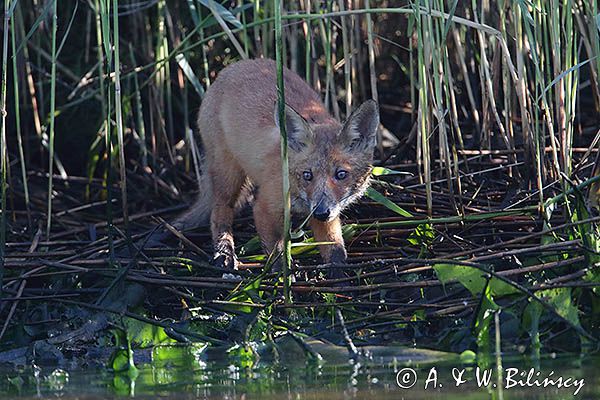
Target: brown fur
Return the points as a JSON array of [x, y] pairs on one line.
[[241, 139]]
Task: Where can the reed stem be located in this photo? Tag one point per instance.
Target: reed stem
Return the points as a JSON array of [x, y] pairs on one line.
[[119, 119], [285, 169], [19, 133], [52, 120], [3, 150]]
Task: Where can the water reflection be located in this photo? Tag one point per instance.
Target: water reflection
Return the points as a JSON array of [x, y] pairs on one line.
[[190, 375]]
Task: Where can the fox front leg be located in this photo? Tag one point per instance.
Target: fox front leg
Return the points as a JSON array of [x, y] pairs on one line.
[[334, 253], [225, 186], [269, 225]]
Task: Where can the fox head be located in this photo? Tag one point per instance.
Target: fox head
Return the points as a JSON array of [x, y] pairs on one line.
[[330, 163]]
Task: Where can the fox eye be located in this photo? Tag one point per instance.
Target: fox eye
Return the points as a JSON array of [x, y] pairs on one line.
[[341, 174], [307, 175]]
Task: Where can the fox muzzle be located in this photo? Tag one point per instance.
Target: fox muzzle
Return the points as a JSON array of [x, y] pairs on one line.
[[322, 213]]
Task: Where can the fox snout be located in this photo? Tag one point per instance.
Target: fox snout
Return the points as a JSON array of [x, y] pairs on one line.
[[322, 212], [325, 209]]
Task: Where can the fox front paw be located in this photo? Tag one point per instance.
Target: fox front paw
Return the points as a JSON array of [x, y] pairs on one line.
[[338, 259], [225, 260], [224, 256]]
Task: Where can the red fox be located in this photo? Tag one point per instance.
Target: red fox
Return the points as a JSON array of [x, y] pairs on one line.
[[329, 162]]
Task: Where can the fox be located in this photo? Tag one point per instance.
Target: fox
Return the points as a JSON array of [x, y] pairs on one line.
[[330, 163]]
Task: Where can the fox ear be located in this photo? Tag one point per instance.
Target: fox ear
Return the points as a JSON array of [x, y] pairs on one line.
[[298, 132], [360, 129], [297, 129]]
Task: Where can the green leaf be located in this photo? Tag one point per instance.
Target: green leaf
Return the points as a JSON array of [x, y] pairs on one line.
[[105, 24], [381, 199], [66, 34], [448, 23], [248, 293], [473, 279], [222, 11], [524, 6], [308, 246], [122, 358], [563, 74], [43, 16], [250, 247], [382, 171], [423, 235], [144, 335], [189, 73], [193, 12], [560, 299]]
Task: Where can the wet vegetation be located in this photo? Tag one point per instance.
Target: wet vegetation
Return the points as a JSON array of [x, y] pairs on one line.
[[479, 233]]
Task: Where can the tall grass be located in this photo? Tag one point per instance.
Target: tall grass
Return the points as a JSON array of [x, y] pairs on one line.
[[505, 77], [17, 114], [3, 151], [54, 17], [285, 168], [105, 57], [119, 117]]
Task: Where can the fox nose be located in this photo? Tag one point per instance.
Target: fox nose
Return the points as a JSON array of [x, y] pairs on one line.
[[322, 213]]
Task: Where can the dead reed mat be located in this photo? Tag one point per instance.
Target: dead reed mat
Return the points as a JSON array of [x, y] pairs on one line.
[[402, 284]]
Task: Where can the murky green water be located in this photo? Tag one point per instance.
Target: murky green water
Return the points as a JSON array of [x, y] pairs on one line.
[[377, 378]]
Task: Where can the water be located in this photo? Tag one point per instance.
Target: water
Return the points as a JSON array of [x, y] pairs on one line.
[[378, 378]]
